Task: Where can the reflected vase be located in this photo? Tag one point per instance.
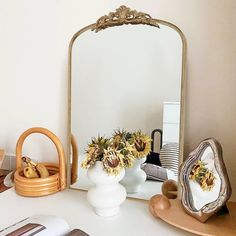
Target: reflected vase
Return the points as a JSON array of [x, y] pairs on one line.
[[107, 194], [134, 177]]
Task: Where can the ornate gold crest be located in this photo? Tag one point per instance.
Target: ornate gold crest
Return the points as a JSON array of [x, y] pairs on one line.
[[124, 15]]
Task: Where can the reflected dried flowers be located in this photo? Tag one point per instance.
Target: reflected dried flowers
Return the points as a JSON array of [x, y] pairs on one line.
[[117, 152]]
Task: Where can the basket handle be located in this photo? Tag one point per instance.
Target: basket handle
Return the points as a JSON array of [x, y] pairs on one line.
[[55, 140]]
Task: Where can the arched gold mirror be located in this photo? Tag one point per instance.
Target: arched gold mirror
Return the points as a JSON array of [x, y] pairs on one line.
[[127, 71]]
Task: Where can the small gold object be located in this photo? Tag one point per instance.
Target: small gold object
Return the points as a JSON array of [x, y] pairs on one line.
[[30, 172], [34, 170]]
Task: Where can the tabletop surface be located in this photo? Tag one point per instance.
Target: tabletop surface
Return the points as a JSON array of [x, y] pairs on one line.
[[134, 217]]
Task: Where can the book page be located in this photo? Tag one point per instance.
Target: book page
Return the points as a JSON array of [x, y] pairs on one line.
[[40, 225]]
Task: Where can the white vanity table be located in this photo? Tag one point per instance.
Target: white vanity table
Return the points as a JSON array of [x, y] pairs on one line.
[[134, 218]]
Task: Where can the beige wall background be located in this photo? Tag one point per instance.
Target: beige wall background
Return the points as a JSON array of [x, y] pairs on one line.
[[33, 73]]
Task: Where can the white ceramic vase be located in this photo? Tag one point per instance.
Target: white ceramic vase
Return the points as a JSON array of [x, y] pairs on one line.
[[107, 194], [134, 177]]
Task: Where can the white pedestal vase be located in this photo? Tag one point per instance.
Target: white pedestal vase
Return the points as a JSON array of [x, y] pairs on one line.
[[107, 195], [134, 177]]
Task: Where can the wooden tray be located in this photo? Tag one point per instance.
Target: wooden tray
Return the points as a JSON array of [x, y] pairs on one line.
[[217, 225]]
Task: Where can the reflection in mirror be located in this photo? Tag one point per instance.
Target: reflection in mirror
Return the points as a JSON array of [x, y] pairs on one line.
[[129, 77], [204, 180]]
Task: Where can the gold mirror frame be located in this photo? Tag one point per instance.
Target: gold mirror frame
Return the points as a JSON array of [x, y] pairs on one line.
[[124, 16]]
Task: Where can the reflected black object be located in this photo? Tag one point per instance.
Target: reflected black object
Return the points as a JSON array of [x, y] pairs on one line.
[[153, 157]]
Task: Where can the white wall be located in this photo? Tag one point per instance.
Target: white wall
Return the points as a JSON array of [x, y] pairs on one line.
[[34, 37]]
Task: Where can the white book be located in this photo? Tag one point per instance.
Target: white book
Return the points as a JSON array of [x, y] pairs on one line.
[[41, 225]]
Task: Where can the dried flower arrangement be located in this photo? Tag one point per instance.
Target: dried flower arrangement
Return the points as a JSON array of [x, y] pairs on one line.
[[101, 149], [117, 152], [121, 140], [142, 144], [202, 175]]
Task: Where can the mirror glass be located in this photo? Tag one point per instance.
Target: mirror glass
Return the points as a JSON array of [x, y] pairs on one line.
[[128, 77]]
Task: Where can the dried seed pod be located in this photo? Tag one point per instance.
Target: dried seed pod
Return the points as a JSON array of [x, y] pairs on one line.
[[30, 172]]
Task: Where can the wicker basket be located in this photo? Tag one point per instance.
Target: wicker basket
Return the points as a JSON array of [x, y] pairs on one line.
[[36, 187]]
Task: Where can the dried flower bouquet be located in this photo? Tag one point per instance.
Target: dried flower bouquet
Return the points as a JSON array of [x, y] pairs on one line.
[[117, 152]]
